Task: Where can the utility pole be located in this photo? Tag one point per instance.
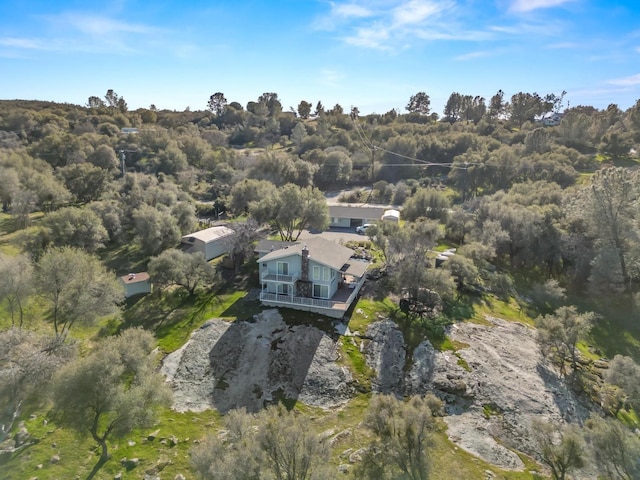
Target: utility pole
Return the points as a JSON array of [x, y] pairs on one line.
[[122, 166]]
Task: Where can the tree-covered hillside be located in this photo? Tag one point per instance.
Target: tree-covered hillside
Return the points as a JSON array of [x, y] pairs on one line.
[[540, 202]]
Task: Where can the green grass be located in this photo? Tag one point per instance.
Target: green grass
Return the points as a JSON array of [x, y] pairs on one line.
[[12, 235], [78, 455], [174, 315], [355, 360], [507, 310], [629, 418], [365, 312]]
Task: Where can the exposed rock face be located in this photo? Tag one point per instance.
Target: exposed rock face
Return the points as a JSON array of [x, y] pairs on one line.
[[385, 353], [248, 364], [493, 389]]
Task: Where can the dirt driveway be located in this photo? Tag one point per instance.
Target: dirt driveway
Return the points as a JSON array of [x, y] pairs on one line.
[[338, 235]]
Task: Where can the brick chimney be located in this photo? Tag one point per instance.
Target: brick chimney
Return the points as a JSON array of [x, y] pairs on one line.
[[304, 271], [304, 285]]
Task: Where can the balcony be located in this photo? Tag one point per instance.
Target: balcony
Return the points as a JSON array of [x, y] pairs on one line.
[[276, 277], [334, 307]]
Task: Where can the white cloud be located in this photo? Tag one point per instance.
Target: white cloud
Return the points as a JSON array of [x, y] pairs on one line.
[[530, 5], [330, 77], [563, 45], [350, 10], [24, 43], [394, 25], [473, 55], [416, 11], [629, 81], [98, 25], [375, 37]]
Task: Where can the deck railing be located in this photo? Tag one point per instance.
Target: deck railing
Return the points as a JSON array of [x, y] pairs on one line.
[[275, 277], [313, 302], [288, 299]]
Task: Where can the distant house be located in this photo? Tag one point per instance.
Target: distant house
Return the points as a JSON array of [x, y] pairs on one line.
[[316, 275], [136, 284], [211, 242], [128, 130], [552, 120], [349, 215]]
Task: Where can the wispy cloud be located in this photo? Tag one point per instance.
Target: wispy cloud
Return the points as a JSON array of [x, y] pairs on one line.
[[530, 5], [546, 28], [98, 25], [629, 81], [393, 25], [474, 55], [331, 77], [563, 46], [350, 10], [22, 43], [417, 11], [75, 32], [374, 36]]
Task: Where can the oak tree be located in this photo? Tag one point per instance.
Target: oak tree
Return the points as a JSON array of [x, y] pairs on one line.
[[112, 390], [76, 287]]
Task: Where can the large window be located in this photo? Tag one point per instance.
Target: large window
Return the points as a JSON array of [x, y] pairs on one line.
[[321, 273], [320, 291], [283, 288], [326, 274], [283, 268]]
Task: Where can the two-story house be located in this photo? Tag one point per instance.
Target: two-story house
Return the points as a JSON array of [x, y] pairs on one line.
[[315, 275]]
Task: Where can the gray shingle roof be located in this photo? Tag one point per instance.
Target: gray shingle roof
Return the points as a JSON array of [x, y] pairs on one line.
[[323, 251]]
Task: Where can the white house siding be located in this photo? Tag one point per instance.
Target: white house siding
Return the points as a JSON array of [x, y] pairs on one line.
[[332, 282], [271, 267]]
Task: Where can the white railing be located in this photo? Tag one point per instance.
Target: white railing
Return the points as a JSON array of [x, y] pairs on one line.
[[311, 302], [275, 277], [356, 290]]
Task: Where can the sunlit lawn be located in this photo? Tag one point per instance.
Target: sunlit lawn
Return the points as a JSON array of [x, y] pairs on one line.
[[174, 315]]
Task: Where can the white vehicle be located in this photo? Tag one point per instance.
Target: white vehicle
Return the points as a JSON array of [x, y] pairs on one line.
[[362, 229]]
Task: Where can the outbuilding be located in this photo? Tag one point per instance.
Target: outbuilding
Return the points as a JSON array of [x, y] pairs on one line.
[[211, 242], [391, 215], [136, 284]]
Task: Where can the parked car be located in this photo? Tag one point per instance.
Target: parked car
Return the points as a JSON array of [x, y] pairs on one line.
[[362, 229]]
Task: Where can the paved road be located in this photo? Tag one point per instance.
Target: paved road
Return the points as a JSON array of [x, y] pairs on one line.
[[338, 235]]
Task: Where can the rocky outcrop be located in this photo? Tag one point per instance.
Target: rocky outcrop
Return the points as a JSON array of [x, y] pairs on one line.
[[250, 364]]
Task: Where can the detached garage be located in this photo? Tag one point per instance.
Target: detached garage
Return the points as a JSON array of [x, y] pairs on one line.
[[211, 242]]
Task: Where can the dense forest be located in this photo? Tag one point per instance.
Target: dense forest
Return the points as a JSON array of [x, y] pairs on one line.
[[540, 200]]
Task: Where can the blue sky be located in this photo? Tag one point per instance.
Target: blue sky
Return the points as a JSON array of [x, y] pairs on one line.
[[373, 54]]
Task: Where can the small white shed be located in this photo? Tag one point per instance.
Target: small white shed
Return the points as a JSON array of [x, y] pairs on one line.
[[391, 215], [136, 284], [211, 242]]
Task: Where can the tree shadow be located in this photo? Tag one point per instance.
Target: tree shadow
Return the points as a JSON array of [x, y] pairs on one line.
[[260, 362], [463, 307], [570, 405], [244, 308]]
